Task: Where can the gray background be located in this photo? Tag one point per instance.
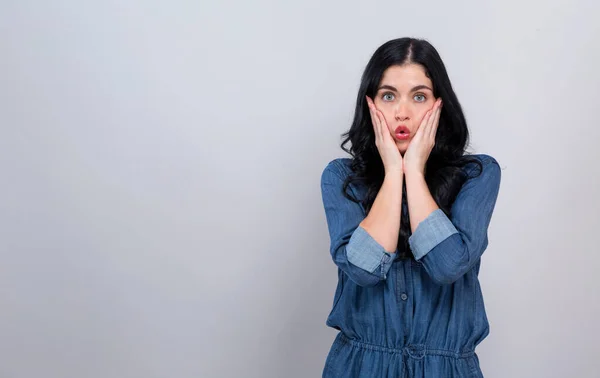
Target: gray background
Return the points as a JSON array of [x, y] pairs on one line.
[[160, 211]]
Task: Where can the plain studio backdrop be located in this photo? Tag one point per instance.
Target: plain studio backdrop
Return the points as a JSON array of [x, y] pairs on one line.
[[160, 207]]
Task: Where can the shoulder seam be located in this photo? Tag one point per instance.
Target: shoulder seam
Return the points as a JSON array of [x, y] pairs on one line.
[[339, 169], [334, 168], [485, 160]]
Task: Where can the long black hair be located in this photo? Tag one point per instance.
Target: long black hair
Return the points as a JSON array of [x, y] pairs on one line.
[[444, 174]]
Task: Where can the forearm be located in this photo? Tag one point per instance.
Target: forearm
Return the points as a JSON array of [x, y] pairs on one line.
[[420, 201], [383, 220]]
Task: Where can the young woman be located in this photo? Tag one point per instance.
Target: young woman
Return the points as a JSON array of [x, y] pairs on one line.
[[408, 216]]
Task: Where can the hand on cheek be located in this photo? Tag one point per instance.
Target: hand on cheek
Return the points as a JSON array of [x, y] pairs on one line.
[[421, 145]]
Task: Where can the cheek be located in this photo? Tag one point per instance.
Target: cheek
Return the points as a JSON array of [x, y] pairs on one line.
[[388, 112], [389, 117], [422, 111]]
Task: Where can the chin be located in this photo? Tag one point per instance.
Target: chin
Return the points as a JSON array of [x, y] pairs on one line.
[[402, 146], [402, 150]]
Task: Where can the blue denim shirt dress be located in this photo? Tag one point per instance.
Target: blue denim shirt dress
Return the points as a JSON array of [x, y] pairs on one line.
[[420, 317]]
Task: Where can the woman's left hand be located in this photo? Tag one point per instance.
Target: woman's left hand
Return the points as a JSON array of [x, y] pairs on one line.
[[421, 145]]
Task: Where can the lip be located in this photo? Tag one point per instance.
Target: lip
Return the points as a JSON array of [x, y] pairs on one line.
[[402, 132]]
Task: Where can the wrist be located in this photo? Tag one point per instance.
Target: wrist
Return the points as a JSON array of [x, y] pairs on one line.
[[395, 174], [393, 169], [416, 173]]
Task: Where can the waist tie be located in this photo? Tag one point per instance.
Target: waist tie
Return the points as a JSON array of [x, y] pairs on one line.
[[416, 351]]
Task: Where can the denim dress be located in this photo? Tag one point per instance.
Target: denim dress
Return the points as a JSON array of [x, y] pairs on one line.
[[420, 317]]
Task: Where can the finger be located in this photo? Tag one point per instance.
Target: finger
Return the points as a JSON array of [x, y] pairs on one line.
[[434, 120], [370, 104], [424, 122], [383, 125], [431, 119], [378, 136], [380, 121], [371, 113], [375, 123], [436, 123]]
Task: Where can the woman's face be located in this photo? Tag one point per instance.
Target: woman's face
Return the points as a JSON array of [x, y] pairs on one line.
[[404, 95]]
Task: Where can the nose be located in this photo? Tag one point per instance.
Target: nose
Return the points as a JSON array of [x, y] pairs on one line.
[[402, 112]]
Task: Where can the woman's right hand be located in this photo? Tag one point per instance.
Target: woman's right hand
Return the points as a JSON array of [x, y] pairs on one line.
[[390, 155]]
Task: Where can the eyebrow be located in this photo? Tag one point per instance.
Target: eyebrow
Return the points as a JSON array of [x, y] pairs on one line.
[[389, 87]]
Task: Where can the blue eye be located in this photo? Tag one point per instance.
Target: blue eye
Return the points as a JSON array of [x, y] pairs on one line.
[[420, 98], [388, 96]]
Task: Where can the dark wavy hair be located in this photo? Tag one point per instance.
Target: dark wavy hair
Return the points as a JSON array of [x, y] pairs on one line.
[[444, 172]]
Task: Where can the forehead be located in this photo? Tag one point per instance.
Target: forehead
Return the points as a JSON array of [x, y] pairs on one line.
[[405, 77]]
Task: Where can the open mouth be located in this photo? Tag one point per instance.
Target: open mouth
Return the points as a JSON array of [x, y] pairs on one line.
[[402, 132]]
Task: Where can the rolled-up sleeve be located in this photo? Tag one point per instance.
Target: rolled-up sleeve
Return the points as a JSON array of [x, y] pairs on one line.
[[352, 248], [366, 253], [431, 231], [449, 247]]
